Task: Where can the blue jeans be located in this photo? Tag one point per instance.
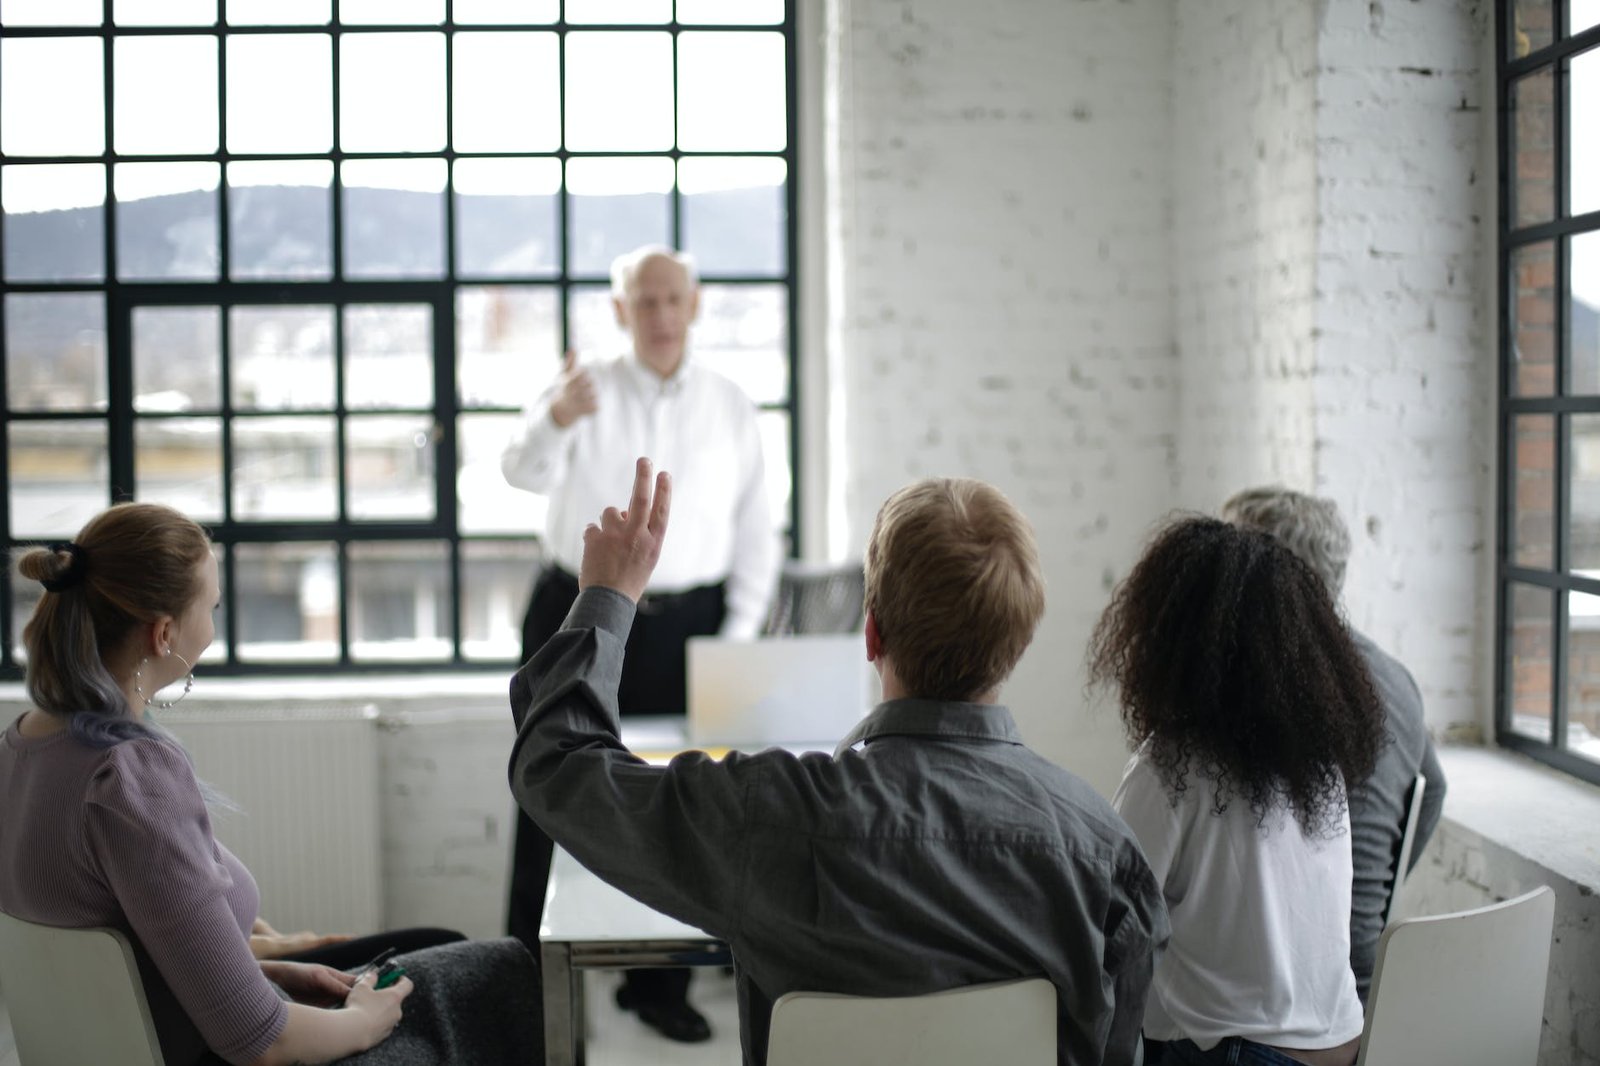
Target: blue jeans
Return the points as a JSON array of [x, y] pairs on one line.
[[1231, 1051]]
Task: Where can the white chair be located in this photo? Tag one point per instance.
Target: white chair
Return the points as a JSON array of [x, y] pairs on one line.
[[75, 996], [1408, 840], [1464, 989], [1009, 1021]]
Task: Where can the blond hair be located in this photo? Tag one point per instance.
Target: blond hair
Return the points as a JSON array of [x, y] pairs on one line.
[[131, 564], [954, 586]]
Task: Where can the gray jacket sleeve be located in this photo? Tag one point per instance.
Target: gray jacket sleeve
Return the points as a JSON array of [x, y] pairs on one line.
[[671, 836], [1432, 802]]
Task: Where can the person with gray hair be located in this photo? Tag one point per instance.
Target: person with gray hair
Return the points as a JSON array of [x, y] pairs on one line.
[[576, 442], [1310, 526]]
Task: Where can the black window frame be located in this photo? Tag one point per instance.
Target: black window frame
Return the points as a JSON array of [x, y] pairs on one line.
[[122, 296], [1559, 405]]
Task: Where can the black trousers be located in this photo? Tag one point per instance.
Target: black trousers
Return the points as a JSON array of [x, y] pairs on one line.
[[654, 681]]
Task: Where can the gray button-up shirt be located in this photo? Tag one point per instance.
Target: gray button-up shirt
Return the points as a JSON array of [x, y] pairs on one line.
[[942, 853]]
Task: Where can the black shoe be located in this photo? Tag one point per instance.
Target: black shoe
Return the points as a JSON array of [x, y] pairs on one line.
[[675, 1021]]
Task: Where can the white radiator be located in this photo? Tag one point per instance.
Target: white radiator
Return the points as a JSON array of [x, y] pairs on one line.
[[308, 824]]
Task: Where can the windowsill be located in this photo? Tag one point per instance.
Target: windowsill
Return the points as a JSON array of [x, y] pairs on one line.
[[1526, 808]]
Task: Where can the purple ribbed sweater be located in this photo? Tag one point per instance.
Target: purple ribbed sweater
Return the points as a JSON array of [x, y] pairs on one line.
[[120, 836]]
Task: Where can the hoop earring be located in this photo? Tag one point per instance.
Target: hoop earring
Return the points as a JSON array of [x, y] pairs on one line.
[[138, 683]]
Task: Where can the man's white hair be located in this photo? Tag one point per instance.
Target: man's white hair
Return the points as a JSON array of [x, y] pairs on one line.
[[625, 267], [1309, 526]]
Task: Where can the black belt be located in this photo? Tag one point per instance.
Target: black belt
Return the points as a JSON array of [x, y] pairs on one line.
[[650, 602]]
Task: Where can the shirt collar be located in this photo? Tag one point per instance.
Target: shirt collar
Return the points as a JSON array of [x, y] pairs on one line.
[[651, 383], [934, 718]]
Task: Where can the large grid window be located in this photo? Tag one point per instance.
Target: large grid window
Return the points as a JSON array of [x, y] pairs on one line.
[[294, 266], [1549, 559]]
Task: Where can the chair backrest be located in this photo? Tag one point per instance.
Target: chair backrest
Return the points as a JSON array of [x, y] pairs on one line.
[[1408, 840], [1014, 1020], [1464, 989], [74, 996], [813, 598]]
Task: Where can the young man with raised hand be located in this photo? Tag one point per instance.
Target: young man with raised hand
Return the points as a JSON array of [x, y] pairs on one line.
[[933, 850]]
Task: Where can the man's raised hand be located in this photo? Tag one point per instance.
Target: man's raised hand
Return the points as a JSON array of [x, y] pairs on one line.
[[621, 551], [575, 395]]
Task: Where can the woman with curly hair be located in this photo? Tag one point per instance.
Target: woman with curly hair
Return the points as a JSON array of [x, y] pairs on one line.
[[1249, 710]]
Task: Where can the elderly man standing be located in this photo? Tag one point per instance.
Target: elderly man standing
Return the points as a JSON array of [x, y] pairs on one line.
[[1311, 528], [577, 442]]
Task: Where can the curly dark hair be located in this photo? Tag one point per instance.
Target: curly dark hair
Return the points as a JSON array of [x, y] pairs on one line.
[[1232, 662]]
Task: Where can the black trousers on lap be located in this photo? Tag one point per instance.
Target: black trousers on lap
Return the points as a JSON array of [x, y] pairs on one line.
[[654, 681]]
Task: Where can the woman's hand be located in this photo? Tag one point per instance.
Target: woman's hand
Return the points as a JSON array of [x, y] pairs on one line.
[[267, 943], [310, 983], [380, 1008]]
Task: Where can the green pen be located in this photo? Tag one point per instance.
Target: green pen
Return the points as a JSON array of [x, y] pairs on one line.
[[391, 972]]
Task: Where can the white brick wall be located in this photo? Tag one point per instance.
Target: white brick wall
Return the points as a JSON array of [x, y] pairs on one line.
[[1002, 299]]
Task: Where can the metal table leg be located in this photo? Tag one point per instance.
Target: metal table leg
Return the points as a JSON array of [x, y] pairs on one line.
[[563, 1021]]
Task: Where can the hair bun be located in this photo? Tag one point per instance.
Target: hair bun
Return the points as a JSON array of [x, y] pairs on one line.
[[58, 567]]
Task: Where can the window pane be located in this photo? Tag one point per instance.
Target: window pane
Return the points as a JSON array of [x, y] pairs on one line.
[[616, 205], [1533, 320], [279, 12], [164, 12], [389, 467], [59, 478], [507, 217], [1583, 159], [388, 355], [55, 222], [167, 221], [743, 334], [166, 95], [391, 92], [1528, 650], [394, 218], [730, 12], [1533, 164], [177, 358], [487, 503], [270, 113], [1583, 674], [619, 12], [507, 96], [56, 351], [391, 12], [1582, 14], [178, 462], [505, 12], [592, 324], [1583, 470], [284, 468], [609, 111], [774, 426], [1533, 473], [1583, 325], [281, 358], [288, 602], [280, 218], [496, 579], [1532, 26], [51, 12], [733, 214], [399, 600], [69, 72], [731, 92], [508, 343]]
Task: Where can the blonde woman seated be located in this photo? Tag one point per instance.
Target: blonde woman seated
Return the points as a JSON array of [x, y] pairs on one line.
[[105, 824], [1250, 709]]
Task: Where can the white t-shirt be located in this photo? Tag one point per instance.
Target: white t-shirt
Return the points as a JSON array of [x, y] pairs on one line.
[[1260, 918]]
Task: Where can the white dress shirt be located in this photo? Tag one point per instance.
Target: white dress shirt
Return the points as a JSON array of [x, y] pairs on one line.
[[698, 426], [1260, 918]]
